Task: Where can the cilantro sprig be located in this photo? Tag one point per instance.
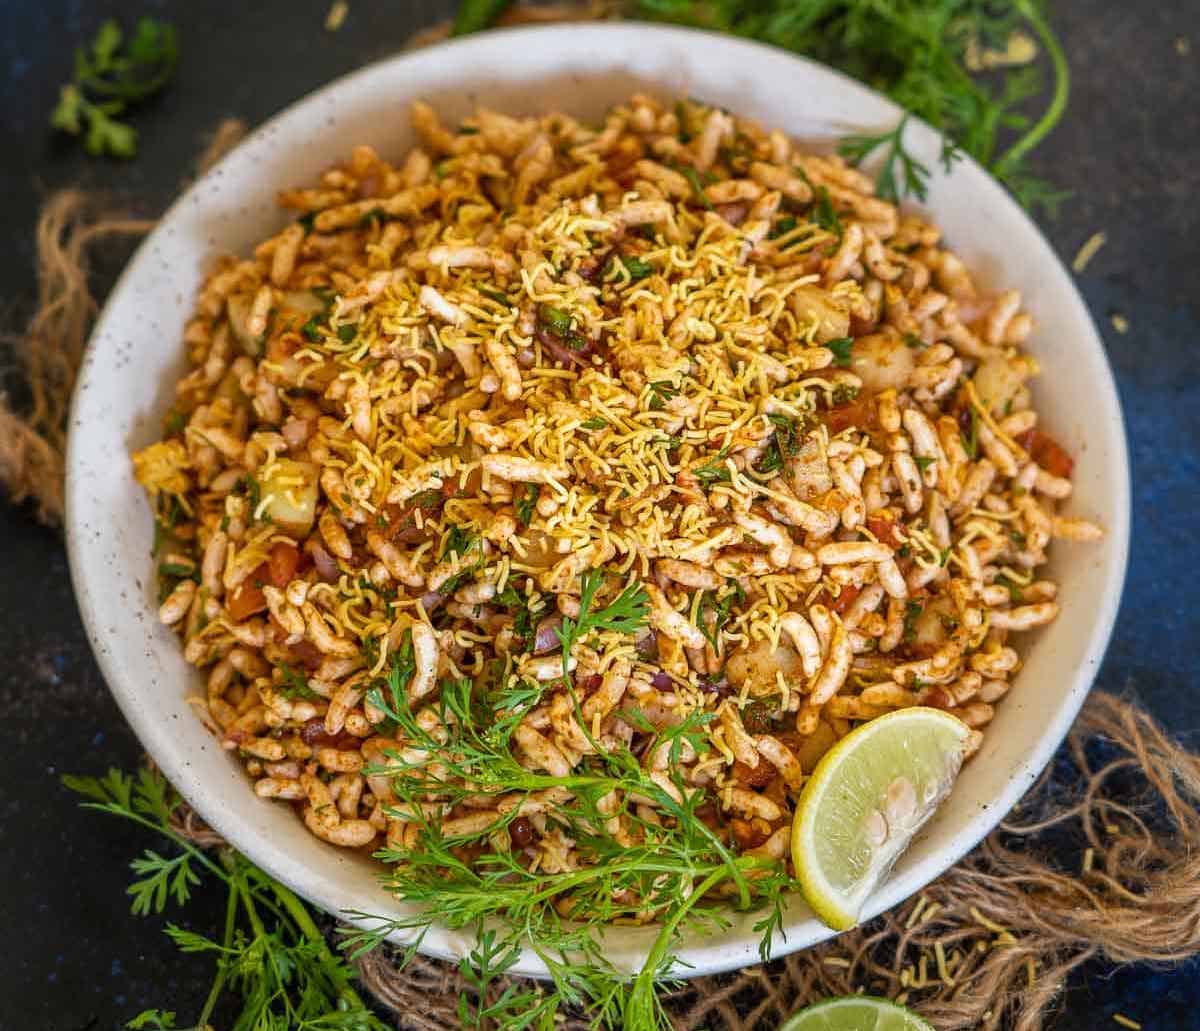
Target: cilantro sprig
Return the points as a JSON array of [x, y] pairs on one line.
[[272, 967], [111, 75]]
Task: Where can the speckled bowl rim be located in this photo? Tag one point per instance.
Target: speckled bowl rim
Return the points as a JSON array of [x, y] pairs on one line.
[[576, 67]]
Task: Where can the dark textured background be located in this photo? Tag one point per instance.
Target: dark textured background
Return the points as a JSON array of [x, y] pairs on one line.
[[1129, 150]]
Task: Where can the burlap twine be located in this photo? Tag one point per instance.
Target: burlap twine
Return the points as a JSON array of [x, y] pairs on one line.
[[1101, 858]]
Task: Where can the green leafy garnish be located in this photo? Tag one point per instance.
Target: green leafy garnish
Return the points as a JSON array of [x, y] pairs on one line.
[[923, 462], [785, 443], [527, 502], [459, 541], [525, 614], [715, 471], [782, 227], [473, 15], [625, 614], [825, 214], [347, 333], [914, 175], [272, 966], [720, 609], [111, 75], [912, 610], [595, 423], [661, 391], [295, 685], [560, 324], [1014, 589], [693, 178], [635, 267], [970, 440], [914, 341], [494, 295], [841, 351]]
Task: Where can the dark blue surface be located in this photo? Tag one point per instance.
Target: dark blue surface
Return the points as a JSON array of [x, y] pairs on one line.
[[1130, 152]]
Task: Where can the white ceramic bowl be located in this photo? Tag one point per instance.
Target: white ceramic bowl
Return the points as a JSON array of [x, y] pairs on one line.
[[136, 355]]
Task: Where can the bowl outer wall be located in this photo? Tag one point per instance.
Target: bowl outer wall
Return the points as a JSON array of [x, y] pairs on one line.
[[135, 355]]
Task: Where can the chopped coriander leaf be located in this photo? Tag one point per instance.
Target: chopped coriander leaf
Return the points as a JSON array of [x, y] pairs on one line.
[[295, 685], [110, 75], [527, 502], [684, 133], [347, 333], [174, 423], [459, 541], [307, 220], [441, 170], [785, 443], [715, 471], [912, 610], [720, 610], [525, 615], [1017, 538], [177, 569], [636, 268], [913, 174], [693, 178], [625, 614], [559, 324], [595, 423], [944, 556], [782, 227], [923, 462], [825, 214], [914, 341], [1014, 589], [841, 351], [844, 395], [661, 391], [494, 295], [374, 215], [312, 330], [970, 440]]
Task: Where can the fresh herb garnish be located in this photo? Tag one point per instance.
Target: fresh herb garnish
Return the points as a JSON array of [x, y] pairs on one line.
[[559, 324], [661, 391], [912, 610], [923, 462], [785, 443], [1014, 589], [174, 422], [347, 333], [636, 268], [525, 615], [595, 423], [177, 570], [459, 541], [625, 614], [295, 685], [494, 295], [825, 214], [782, 227], [970, 439], [272, 966], [841, 348], [732, 594], [111, 75], [914, 341], [715, 471], [693, 178], [843, 394], [914, 176], [312, 330], [526, 502]]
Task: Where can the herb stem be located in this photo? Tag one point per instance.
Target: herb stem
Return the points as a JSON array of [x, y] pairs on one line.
[[1058, 101], [218, 984], [304, 921]]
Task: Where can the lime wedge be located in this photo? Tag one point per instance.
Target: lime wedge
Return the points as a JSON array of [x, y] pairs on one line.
[[866, 799], [855, 1013]]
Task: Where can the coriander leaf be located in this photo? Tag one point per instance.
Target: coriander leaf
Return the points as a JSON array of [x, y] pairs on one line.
[[636, 268], [474, 15], [913, 174], [107, 79], [715, 471], [154, 1020], [594, 424], [693, 178], [661, 391], [923, 462], [527, 502], [841, 348], [782, 227], [825, 214], [912, 610]]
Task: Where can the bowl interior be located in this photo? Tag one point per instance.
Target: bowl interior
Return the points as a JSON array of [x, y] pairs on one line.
[[136, 355]]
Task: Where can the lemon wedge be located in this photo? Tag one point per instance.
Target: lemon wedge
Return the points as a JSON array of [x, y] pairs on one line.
[[855, 1013], [866, 799]]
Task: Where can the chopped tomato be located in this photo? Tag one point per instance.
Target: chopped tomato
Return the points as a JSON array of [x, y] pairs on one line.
[[844, 599], [1047, 452], [884, 528], [282, 563], [748, 834], [247, 599]]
